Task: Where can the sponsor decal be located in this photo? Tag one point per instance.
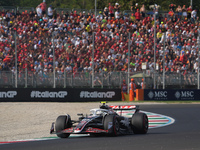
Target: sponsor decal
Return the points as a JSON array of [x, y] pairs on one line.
[[81, 125], [158, 95], [170, 94], [69, 130], [8, 94], [47, 94], [177, 94], [95, 130], [95, 94], [110, 124], [150, 94], [188, 95]]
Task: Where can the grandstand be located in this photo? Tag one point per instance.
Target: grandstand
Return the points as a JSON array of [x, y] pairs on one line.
[[66, 38]]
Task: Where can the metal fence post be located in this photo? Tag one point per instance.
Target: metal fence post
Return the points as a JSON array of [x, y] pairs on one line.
[[32, 79], [72, 79], [89, 76], [198, 62], [128, 59], [120, 79], [164, 61], [180, 80], [15, 59], [54, 73], [154, 73], [93, 60], [26, 77], [95, 4], [102, 79], [64, 79]]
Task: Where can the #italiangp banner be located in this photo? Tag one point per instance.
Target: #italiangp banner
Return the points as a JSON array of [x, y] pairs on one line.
[[58, 95]]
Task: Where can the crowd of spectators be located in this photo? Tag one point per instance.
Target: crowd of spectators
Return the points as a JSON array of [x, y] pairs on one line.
[[73, 39]]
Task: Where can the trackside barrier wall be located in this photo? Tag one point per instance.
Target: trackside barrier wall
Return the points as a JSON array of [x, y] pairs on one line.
[[58, 95], [139, 94], [169, 95]]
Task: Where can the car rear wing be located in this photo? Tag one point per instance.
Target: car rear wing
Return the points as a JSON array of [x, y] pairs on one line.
[[125, 107]]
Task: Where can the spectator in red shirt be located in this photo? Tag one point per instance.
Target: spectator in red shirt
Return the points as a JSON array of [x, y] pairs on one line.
[[183, 58], [137, 15], [189, 10], [43, 7], [171, 13], [111, 10]]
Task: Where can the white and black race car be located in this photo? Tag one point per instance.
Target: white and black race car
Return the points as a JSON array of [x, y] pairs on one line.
[[106, 120]]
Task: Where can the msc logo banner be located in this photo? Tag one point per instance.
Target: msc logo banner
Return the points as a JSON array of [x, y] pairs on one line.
[[185, 95], [171, 94], [157, 95]]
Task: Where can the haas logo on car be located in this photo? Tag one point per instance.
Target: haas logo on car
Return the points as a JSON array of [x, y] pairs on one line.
[[95, 94], [8, 94]]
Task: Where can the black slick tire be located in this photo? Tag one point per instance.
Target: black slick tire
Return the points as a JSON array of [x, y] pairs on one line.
[[63, 122], [112, 125], [140, 123]]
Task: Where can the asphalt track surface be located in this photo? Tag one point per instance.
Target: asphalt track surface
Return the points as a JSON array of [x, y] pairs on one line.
[[184, 134]]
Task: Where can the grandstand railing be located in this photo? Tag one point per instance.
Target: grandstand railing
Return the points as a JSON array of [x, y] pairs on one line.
[[23, 9], [29, 79], [10, 8], [59, 10]]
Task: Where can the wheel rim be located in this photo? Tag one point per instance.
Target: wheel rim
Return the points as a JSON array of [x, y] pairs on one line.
[[116, 126], [146, 124]]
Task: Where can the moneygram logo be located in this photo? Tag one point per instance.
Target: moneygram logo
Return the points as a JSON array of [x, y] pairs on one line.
[[95, 94], [8, 94], [47, 94]]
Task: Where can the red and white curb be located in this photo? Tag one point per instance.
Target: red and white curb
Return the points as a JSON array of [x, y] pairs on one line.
[[155, 121], [27, 140]]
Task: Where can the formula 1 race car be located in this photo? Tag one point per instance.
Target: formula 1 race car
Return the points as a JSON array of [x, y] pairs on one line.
[[107, 120]]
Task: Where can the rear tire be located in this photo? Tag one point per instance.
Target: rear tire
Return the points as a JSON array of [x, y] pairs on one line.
[[140, 123], [63, 122], [112, 125]]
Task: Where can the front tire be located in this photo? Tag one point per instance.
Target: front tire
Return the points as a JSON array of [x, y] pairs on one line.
[[112, 125], [63, 122], [140, 123]]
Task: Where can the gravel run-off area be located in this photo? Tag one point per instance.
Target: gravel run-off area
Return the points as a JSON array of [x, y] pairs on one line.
[[19, 121]]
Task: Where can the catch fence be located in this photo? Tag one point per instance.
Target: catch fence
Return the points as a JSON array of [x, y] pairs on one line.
[[31, 79]]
